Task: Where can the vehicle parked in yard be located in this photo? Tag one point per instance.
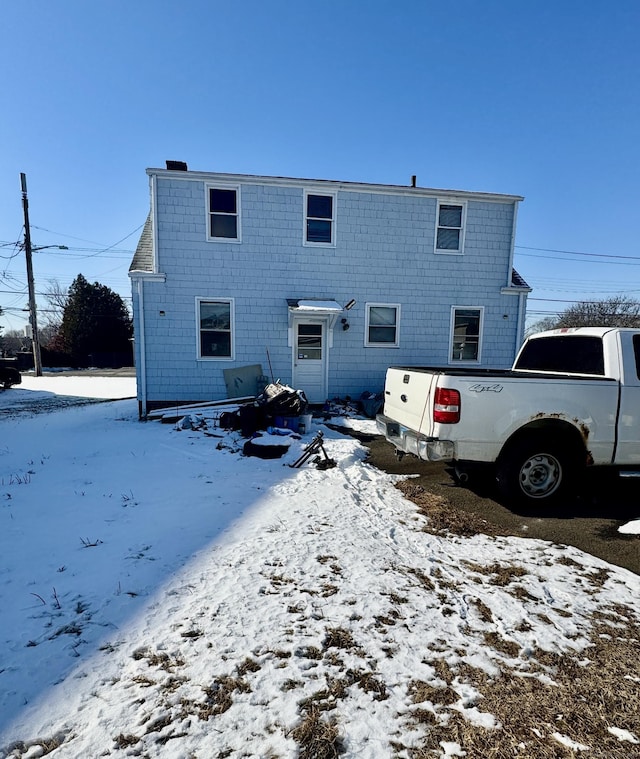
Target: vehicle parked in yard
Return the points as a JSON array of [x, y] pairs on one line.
[[570, 401], [9, 374]]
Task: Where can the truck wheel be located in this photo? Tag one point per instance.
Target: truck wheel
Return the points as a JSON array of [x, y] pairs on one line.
[[537, 471]]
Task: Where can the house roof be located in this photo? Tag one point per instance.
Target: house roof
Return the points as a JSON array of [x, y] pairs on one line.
[[518, 281], [332, 184], [143, 257]]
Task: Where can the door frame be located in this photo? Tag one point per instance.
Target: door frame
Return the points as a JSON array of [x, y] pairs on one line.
[[327, 334]]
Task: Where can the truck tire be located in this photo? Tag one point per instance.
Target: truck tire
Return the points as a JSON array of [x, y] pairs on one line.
[[536, 471]]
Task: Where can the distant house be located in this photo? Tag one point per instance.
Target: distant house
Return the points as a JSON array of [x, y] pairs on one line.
[[321, 284]]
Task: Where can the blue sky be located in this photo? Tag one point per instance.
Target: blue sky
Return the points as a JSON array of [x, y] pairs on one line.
[[540, 99]]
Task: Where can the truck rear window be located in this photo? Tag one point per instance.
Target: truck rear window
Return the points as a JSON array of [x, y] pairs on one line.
[[570, 354]]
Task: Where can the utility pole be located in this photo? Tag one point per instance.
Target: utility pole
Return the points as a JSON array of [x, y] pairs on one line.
[[33, 318]]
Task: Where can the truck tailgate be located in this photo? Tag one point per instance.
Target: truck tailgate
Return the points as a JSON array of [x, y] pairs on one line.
[[408, 397]]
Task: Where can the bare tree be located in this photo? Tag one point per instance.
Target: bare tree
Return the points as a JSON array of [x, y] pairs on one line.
[[56, 297], [617, 311], [14, 341], [549, 322]]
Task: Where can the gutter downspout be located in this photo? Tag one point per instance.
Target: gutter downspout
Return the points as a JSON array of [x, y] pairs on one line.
[[142, 323], [142, 355], [513, 242], [522, 297], [522, 300]]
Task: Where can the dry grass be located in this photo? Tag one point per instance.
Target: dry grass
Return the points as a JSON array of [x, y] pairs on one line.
[[309, 652], [369, 683], [45, 746], [504, 646], [550, 693], [582, 703], [522, 594], [445, 519], [486, 615], [125, 741], [332, 561], [423, 577], [338, 637], [155, 659], [248, 665], [218, 697], [316, 737], [144, 681], [501, 576]]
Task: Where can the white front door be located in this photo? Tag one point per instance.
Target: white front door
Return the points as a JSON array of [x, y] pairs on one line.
[[310, 358]]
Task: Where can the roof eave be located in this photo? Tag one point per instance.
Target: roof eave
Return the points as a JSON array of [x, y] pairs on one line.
[[208, 176]]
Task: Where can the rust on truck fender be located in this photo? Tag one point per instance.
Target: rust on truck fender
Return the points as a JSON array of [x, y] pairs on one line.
[[577, 423], [584, 429]]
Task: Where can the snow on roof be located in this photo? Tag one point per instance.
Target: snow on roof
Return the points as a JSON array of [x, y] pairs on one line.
[[315, 305]]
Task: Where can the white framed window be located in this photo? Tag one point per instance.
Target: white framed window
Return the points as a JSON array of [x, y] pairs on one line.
[[215, 328], [319, 218], [382, 329], [223, 213], [450, 221], [466, 334]]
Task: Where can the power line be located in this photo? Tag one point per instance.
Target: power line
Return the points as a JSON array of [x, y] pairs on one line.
[[100, 250], [62, 234], [562, 300], [92, 254], [16, 251], [634, 262], [575, 253], [44, 295]]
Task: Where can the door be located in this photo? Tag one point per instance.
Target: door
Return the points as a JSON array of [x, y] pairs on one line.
[[310, 359]]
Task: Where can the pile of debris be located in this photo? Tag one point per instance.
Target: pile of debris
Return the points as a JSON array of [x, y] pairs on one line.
[[278, 406], [271, 422]]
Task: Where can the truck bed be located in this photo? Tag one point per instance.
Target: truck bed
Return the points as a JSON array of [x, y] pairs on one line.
[[496, 373]]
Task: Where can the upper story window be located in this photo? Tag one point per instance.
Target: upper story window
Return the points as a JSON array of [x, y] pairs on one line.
[[450, 227], [383, 325], [224, 213], [320, 218], [215, 328], [466, 334]]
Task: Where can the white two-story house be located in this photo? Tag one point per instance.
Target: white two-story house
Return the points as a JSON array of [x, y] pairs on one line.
[[320, 284]]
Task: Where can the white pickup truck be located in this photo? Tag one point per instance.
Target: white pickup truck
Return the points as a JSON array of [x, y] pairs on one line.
[[571, 401]]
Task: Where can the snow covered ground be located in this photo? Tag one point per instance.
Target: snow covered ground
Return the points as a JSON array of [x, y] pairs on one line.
[[162, 595]]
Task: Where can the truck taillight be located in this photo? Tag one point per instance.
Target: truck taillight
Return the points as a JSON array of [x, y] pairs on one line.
[[446, 407]]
